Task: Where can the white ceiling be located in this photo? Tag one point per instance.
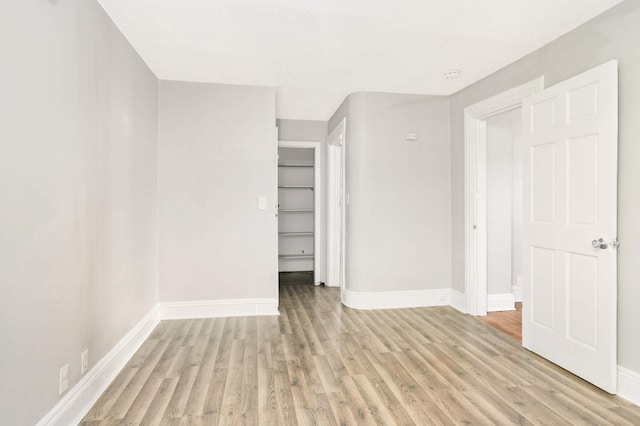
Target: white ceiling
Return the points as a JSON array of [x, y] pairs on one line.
[[316, 52]]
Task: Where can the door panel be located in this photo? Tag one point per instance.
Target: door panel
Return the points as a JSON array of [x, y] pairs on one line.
[[542, 299], [570, 199], [543, 115], [582, 296], [582, 102], [543, 183], [583, 180]]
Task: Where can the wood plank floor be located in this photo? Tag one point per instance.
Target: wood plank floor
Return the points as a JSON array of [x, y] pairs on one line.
[[322, 363], [298, 277], [509, 322]]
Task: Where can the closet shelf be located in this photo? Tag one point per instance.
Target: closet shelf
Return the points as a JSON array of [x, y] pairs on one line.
[[295, 210], [296, 186], [295, 256], [295, 165], [295, 234]]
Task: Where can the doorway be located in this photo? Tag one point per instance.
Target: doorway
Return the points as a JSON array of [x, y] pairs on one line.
[[336, 143], [504, 222], [299, 220], [504, 210], [476, 196]]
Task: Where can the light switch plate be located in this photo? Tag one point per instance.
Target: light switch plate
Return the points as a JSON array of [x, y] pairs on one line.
[[411, 137], [262, 203]]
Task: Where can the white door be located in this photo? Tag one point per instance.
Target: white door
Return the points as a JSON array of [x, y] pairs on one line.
[[570, 201], [276, 205], [335, 217]]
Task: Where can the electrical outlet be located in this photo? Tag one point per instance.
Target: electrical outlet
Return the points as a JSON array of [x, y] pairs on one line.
[[84, 361], [63, 384]]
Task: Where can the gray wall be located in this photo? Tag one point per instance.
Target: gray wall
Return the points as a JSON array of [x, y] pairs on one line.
[[504, 201], [77, 196], [302, 130], [499, 156], [398, 216], [612, 35], [217, 155], [313, 131]]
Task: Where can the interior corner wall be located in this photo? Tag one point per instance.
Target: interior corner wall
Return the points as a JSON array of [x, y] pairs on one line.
[[312, 131], [217, 156], [78, 206], [612, 35], [397, 217]]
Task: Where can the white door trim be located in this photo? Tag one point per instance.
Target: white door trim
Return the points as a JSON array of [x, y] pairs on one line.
[[475, 188], [337, 138], [317, 210]]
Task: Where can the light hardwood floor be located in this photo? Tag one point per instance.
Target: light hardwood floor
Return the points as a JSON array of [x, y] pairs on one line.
[[322, 363], [509, 322]]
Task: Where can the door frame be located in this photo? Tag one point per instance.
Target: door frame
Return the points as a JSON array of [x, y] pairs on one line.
[[475, 188], [318, 187], [336, 140]]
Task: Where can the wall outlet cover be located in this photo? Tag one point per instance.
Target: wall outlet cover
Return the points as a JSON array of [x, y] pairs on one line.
[[63, 383], [262, 203], [84, 361]]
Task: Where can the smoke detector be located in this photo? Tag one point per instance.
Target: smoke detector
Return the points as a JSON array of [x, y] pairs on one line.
[[451, 74]]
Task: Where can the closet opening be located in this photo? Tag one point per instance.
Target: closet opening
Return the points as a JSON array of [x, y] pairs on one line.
[[298, 215]]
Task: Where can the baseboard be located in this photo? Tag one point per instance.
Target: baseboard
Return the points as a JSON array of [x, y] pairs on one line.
[[459, 301], [218, 308], [80, 398], [501, 302], [517, 293], [396, 299], [629, 385]]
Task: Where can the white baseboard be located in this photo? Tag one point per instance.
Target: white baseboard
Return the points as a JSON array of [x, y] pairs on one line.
[[396, 299], [629, 385], [218, 308], [80, 398], [501, 302], [517, 293], [459, 301]]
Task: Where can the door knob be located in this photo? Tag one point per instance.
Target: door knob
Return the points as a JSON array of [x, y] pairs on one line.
[[599, 243]]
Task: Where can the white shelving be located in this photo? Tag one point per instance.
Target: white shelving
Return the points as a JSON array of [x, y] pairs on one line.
[[296, 210]]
